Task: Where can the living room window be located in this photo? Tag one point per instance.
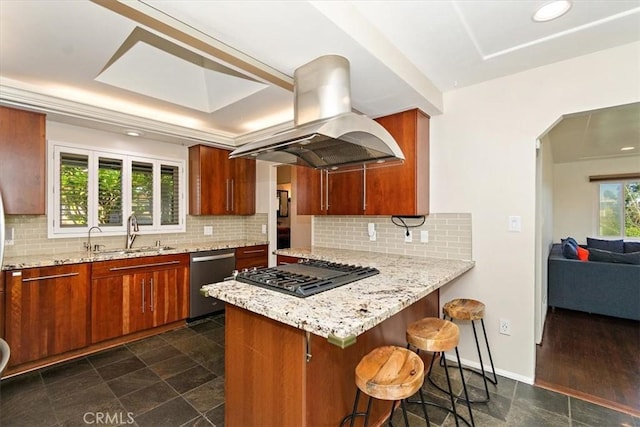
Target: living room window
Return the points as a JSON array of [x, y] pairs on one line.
[[96, 188], [619, 208]]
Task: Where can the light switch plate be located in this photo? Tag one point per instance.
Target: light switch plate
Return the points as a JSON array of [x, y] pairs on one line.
[[208, 230], [515, 223], [424, 236], [264, 229]]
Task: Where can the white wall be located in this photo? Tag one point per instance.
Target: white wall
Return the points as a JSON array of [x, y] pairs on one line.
[[575, 198], [483, 161]]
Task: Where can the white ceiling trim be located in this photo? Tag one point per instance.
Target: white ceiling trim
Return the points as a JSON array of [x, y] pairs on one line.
[[52, 105], [350, 20], [552, 36]]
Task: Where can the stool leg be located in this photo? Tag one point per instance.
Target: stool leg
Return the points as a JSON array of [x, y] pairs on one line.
[[464, 387], [424, 407], [366, 417], [484, 375], [404, 412], [355, 407], [486, 341]]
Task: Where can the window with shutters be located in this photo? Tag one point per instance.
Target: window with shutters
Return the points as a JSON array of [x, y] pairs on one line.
[[95, 188]]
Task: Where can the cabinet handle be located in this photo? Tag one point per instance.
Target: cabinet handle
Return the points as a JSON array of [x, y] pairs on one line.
[[143, 302], [321, 191], [212, 257], [226, 195], [153, 264], [257, 251], [364, 188], [233, 184], [152, 303], [53, 276], [327, 189]]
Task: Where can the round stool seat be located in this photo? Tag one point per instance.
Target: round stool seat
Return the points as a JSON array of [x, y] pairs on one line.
[[433, 334], [464, 309], [390, 373]]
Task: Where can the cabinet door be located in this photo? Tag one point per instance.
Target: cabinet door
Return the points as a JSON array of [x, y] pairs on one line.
[[345, 193], [48, 311], [243, 187], [310, 191], [169, 296], [208, 181], [138, 293], [402, 189], [108, 305], [22, 177]]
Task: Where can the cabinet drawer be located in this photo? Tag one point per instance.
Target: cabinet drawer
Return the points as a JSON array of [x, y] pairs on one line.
[[144, 264], [252, 256], [285, 259]]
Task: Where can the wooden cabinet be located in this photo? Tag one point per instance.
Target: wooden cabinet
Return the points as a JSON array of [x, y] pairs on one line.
[[22, 148], [137, 294], [285, 259], [48, 311], [402, 189], [329, 193], [374, 190], [219, 185], [252, 256]]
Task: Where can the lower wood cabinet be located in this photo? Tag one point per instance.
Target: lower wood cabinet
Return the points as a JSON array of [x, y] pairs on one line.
[[47, 311], [252, 257], [132, 295]]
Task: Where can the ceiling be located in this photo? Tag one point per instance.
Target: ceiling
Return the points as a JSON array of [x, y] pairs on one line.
[[220, 72]]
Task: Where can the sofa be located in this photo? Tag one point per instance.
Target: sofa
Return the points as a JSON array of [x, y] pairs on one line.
[[608, 288]]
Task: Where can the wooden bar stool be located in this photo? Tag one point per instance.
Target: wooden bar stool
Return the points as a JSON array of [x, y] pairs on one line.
[[387, 373], [470, 309], [438, 336]]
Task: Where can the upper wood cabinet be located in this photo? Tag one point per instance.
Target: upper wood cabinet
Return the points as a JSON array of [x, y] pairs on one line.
[[219, 185], [47, 311], [322, 193], [22, 148], [374, 190], [402, 189]]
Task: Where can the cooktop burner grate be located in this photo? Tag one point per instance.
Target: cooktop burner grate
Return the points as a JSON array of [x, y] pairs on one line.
[[306, 278]]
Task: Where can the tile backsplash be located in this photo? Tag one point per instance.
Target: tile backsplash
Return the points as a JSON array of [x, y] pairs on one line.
[[30, 234], [449, 235]]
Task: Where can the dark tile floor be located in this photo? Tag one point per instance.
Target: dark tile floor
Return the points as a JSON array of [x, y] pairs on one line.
[[177, 379]]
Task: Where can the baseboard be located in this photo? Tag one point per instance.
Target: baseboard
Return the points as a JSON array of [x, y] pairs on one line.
[[507, 374]]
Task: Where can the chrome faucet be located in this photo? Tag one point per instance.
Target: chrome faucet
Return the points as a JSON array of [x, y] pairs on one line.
[[87, 245], [132, 222]]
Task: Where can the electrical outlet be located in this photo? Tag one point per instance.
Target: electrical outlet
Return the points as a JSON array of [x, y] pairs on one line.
[[505, 327], [264, 228], [424, 236], [408, 236], [208, 230]]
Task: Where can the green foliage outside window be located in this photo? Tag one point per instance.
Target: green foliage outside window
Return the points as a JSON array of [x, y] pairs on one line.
[[620, 204]]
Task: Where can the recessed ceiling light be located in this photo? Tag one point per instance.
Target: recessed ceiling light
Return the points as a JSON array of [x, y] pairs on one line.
[[552, 10], [627, 148], [132, 132]]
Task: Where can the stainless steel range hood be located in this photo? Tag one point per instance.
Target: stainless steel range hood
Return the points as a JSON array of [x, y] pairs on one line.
[[327, 134]]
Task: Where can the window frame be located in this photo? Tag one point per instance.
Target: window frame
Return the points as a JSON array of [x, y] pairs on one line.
[[56, 148], [621, 181]]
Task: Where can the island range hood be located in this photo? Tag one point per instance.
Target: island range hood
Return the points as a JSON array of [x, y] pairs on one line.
[[326, 133]]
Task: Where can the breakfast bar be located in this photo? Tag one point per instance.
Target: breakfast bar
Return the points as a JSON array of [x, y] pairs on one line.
[[290, 361]]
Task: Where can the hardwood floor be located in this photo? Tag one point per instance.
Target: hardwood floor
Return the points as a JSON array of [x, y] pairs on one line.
[[592, 357]]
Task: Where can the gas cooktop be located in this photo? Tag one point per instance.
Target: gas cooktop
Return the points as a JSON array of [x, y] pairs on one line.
[[305, 278]]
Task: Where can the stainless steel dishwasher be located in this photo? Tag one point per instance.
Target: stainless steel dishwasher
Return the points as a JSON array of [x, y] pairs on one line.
[[208, 267]]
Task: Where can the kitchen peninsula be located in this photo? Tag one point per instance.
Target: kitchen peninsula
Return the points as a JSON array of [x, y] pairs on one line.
[[290, 361]]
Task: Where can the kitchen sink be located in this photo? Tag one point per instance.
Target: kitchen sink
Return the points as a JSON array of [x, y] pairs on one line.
[[123, 251]]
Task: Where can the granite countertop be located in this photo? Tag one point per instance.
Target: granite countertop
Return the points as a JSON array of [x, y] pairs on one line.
[[29, 261], [343, 313]]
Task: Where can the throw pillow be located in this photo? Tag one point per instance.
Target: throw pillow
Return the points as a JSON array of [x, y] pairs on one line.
[[608, 256], [631, 247], [606, 245], [569, 248], [583, 254]]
